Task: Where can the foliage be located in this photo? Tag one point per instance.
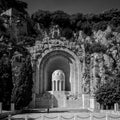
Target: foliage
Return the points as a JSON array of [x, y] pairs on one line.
[[16, 4], [6, 84], [79, 21], [2, 27], [102, 25], [67, 33], [60, 18], [22, 91], [95, 47], [109, 93], [42, 17]]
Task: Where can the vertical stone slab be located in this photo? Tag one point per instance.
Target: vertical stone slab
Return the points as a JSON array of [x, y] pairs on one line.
[[92, 103], [102, 107], [0, 107], [83, 101], [97, 106], [12, 107], [116, 107]]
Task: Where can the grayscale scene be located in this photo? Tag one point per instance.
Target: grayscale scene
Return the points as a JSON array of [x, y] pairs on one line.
[[60, 59]]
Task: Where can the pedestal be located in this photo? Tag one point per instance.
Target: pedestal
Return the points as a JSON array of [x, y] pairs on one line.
[[92, 103], [85, 101], [0, 107], [116, 107], [97, 106], [12, 107]]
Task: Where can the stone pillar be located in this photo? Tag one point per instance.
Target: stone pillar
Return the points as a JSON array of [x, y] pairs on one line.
[[102, 107], [116, 107], [56, 86], [60, 85], [92, 103], [0, 107], [97, 106], [12, 107], [83, 101]]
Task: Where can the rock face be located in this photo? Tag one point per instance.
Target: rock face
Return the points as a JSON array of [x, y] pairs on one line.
[[84, 71]]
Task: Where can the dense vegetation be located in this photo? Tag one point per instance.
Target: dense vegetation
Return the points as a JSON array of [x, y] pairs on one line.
[[15, 64], [5, 80], [22, 80], [79, 21]]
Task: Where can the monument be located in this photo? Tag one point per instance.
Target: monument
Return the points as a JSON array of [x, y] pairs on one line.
[[60, 68]]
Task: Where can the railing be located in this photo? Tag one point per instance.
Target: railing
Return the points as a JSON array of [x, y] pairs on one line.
[[73, 117]]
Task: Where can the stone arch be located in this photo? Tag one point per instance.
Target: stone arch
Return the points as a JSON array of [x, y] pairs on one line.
[[63, 56]]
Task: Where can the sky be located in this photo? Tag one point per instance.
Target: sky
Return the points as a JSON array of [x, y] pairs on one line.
[[72, 6]]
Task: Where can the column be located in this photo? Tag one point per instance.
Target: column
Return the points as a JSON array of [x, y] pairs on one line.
[[56, 85], [60, 86]]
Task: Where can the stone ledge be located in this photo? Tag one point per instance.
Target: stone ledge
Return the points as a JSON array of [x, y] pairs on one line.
[[5, 114]]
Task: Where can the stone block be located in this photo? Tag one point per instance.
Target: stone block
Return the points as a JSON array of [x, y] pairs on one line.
[[92, 103], [12, 107], [85, 101], [116, 107]]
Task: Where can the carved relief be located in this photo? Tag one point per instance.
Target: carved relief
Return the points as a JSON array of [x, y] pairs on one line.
[[86, 74], [40, 48], [54, 43]]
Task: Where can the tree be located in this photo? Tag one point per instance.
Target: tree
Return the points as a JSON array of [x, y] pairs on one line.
[[76, 20], [2, 27], [22, 91], [16, 4], [60, 18], [109, 93], [102, 25], [6, 84], [42, 17], [68, 33]]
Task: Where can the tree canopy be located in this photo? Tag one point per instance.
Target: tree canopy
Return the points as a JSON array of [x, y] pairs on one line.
[[79, 21], [17, 4]]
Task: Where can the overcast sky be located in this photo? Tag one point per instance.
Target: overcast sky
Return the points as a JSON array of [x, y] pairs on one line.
[[73, 6]]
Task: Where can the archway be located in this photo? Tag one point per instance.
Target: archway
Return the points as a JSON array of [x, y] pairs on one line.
[[64, 60]]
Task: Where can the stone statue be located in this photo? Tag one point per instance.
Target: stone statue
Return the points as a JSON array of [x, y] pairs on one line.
[[55, 31]]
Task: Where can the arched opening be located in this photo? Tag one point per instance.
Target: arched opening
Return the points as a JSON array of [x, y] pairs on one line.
[[54, 63], [59, 60]]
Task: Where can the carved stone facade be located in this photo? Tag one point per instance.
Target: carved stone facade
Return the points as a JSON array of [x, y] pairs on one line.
[[57, 53]]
